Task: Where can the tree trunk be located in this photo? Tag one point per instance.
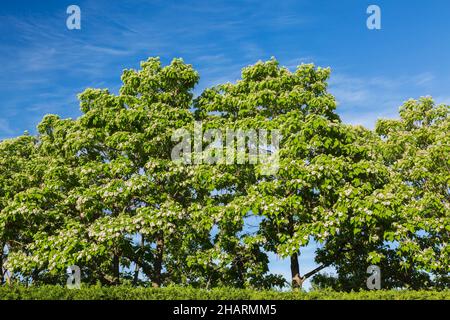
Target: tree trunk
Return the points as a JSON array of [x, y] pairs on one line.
[[116, 269], [140, 261], [2, 273], [295, 272], [116, 257], [156, 283], [34, 277]]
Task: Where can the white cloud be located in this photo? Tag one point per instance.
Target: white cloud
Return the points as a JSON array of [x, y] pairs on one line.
[[362, 100], [5, 129], [442, 99]]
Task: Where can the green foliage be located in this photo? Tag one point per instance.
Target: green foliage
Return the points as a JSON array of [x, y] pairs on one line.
[[102, 192], [187, 293], [403, 225]]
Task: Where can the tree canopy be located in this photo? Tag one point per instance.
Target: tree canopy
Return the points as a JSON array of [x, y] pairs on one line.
[[103, 191]]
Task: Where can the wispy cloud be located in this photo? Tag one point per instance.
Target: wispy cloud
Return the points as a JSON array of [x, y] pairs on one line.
[[442, 100], [362, 100], [5, 129]]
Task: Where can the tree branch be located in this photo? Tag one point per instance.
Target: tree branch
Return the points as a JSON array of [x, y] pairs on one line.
[[313, 272]]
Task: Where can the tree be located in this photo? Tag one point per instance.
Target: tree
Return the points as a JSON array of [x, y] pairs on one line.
[[104, 191], [17, 173], [121, 208], [402, 224], [273, 98], [416, 149], [126, 184]]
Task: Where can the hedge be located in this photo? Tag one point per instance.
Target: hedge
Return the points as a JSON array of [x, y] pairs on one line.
[[52, 292]]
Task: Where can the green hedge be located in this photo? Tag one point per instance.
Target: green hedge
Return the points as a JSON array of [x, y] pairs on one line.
[[182, 293]]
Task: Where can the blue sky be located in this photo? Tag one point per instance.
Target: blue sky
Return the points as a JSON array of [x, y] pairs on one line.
[[44, 65]]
